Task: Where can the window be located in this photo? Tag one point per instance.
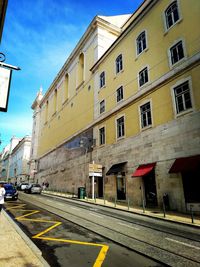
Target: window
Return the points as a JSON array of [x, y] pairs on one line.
[[102, 79], [102, 136], [176, 52], [120, 94], [119, 65], [143, 77], [120, 127], [182, 97], [172, 14], [145, 115], [141, 42], [102, 106]]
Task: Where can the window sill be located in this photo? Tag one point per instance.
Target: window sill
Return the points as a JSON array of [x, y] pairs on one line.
[[168, 29], [146, 128], [117, 74], [177, 64], [144, 51], [101, 88], [182, 113], [121, 138]]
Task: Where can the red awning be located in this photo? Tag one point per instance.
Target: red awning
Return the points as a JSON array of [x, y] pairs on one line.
[[143, 170], [185, 164]]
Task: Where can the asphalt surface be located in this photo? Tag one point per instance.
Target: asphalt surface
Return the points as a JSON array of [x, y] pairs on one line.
[[172, 244], [64, 243]]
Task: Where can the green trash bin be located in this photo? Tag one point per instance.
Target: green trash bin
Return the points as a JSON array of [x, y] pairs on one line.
[[81, 192]]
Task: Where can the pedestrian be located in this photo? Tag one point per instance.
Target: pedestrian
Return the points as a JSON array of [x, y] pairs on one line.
[[2, 193]]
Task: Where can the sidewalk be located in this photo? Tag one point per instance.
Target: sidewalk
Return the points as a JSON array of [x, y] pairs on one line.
[[16, 249], [155, 213]]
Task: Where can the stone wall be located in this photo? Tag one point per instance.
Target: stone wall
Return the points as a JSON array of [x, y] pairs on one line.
[[66, 169]]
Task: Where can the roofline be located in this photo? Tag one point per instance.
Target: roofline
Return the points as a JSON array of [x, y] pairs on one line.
[[135, 17], [97, 21]]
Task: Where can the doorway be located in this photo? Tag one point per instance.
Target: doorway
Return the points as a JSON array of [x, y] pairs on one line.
[[150, 189], [121, 187], [191, 185]]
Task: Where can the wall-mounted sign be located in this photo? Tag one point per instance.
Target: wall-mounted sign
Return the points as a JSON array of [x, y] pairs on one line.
[[5, 78]]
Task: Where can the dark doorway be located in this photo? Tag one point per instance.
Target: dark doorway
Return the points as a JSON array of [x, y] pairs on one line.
[[150, 189], [100, 186], [121, 187], [191, 185]]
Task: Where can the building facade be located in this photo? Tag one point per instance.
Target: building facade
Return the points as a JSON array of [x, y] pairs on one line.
[[19, 159], [6, 159], [134, 104]]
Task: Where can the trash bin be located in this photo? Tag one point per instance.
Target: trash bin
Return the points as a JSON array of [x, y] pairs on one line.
[[81, 192]]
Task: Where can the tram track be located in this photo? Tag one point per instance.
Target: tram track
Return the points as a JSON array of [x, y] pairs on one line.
[[164, 255]]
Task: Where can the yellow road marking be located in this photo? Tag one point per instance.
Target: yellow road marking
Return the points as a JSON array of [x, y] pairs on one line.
[[18, 207]]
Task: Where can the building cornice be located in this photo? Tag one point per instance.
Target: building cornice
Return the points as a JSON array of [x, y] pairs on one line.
[[96, 22], [127, 27]]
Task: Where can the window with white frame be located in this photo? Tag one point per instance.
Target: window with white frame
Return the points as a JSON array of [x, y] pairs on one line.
[[141, 42], [102, 79], [182, 97], [177, 52], [145, 115], [172, 14], [120, 93], [143, 76], [102, 136], [119, 63], [102, 106], [120, 127]]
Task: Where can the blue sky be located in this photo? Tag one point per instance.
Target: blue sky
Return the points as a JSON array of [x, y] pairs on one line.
[[38, 37]]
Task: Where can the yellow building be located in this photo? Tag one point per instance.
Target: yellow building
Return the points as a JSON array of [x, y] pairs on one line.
[[139, 100]]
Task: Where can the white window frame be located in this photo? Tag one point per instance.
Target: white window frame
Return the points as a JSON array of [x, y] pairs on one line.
[[116, 73], [100, 80], [140, 117], [116, 127], [102, 101], [148, 74], [136, 43], [169, 53], [121, 86], [164, 16], [178, 83], [102, 126]]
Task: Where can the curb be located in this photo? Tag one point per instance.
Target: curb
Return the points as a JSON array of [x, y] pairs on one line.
[[27, 240]]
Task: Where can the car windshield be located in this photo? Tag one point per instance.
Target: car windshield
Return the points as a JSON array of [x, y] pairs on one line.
[[8, 187], [36, 185]]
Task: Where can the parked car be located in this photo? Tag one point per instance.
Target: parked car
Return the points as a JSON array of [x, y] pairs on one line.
[[33, 188], [22, 186], [11, 192]]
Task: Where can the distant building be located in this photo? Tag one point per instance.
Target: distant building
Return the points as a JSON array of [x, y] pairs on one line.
[[129, 93], [19, 159], [35, 133], [6, 158]]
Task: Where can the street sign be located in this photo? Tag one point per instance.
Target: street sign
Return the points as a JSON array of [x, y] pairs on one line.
[[95, 170], [5, 77]]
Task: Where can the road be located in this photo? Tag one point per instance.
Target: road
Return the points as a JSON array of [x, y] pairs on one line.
[[172, 244]]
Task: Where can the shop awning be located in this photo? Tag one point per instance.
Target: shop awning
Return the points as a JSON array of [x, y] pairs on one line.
[[143, 170], [119, 167], [185, 164]]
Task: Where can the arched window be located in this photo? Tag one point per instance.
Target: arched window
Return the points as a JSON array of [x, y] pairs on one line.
[[81, 69], [46, 111], [66, 86], [55, 101], [141, 42], [119, 63], [171, 14]]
